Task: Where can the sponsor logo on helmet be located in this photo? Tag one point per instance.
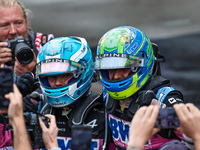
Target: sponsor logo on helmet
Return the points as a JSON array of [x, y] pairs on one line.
[[116, 94], [113, 55], [62, 103]]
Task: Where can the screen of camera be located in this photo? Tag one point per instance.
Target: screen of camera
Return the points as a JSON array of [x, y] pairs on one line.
[[6, 86], [81, 138], [167, 119]]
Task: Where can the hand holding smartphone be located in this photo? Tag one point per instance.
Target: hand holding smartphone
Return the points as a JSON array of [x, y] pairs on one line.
[[81, 137], [167, 119], [6, 86]]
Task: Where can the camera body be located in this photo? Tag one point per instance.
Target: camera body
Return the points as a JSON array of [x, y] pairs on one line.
[[21, 48], [34, 130]]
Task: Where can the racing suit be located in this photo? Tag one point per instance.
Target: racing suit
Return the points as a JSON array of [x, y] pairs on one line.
[[88, 111], [119, 120]]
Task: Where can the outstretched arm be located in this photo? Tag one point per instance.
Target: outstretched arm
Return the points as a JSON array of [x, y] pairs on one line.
[[16, 119]]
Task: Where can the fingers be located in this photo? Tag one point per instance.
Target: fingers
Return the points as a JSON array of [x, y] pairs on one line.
[[52, 123], [2, 65], [52, 119], [193, 109], [140, 113], [52, 129], [154, 114], [42, 125], [151, 112], [179, 111], [5, 53], [185, 111], [15, 96], [3, 44], [155, 130]]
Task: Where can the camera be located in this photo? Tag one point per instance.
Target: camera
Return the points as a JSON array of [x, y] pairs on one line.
[[21, 48], [34, 130], [167, 119]]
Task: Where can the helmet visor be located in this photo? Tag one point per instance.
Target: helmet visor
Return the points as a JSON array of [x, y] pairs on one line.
[[117, 61], [58, 66]]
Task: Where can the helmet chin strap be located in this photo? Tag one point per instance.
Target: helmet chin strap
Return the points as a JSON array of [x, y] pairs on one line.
[[66, 111], [123, 104]]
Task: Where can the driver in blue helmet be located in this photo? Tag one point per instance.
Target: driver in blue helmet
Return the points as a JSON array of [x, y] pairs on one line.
[[65, 72], [129, 68]]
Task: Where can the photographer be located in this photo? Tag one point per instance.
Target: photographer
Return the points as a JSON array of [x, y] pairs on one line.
[[21, 139], [13, 23]]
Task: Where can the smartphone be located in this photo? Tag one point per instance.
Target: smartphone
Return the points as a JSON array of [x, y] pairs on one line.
[[6, 86], [167, 119], [81, 137]]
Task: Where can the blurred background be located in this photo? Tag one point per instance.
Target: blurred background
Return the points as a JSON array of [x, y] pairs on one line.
[[174, 25]]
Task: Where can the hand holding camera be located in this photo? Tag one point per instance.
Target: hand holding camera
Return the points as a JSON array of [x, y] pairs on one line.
[[18, 52], [189, 116], [5, 53], [20, 48], [50, 132], [143, 126]]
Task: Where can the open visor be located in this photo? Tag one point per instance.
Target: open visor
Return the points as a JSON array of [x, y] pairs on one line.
[[118, 61], [57, 66]]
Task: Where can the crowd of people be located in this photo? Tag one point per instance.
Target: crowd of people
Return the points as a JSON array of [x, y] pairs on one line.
[[123, 116]]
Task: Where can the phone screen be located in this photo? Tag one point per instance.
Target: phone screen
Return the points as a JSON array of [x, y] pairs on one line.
[[6, 86], [81, 138], [167, 119]]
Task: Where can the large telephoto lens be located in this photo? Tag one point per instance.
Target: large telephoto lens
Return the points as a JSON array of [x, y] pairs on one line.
[[24, 53]]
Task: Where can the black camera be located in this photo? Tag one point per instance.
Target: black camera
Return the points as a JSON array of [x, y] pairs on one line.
[[21, 48], [34, 130]]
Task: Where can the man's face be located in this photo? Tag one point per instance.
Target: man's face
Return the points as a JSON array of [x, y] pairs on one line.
[[118, 74], [59, 80], [12, 23]]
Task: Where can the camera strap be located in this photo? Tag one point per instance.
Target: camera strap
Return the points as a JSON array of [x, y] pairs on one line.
[[4, 121], [32, 37]]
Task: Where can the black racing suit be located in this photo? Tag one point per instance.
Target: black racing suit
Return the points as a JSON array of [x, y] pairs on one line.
[[89, 111], [119, 121]]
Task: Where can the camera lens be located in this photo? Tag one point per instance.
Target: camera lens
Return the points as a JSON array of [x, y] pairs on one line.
[[24, 53]]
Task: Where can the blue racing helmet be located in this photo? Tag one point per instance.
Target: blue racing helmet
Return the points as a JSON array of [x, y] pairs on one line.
[[60, 56], [125, 47]]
